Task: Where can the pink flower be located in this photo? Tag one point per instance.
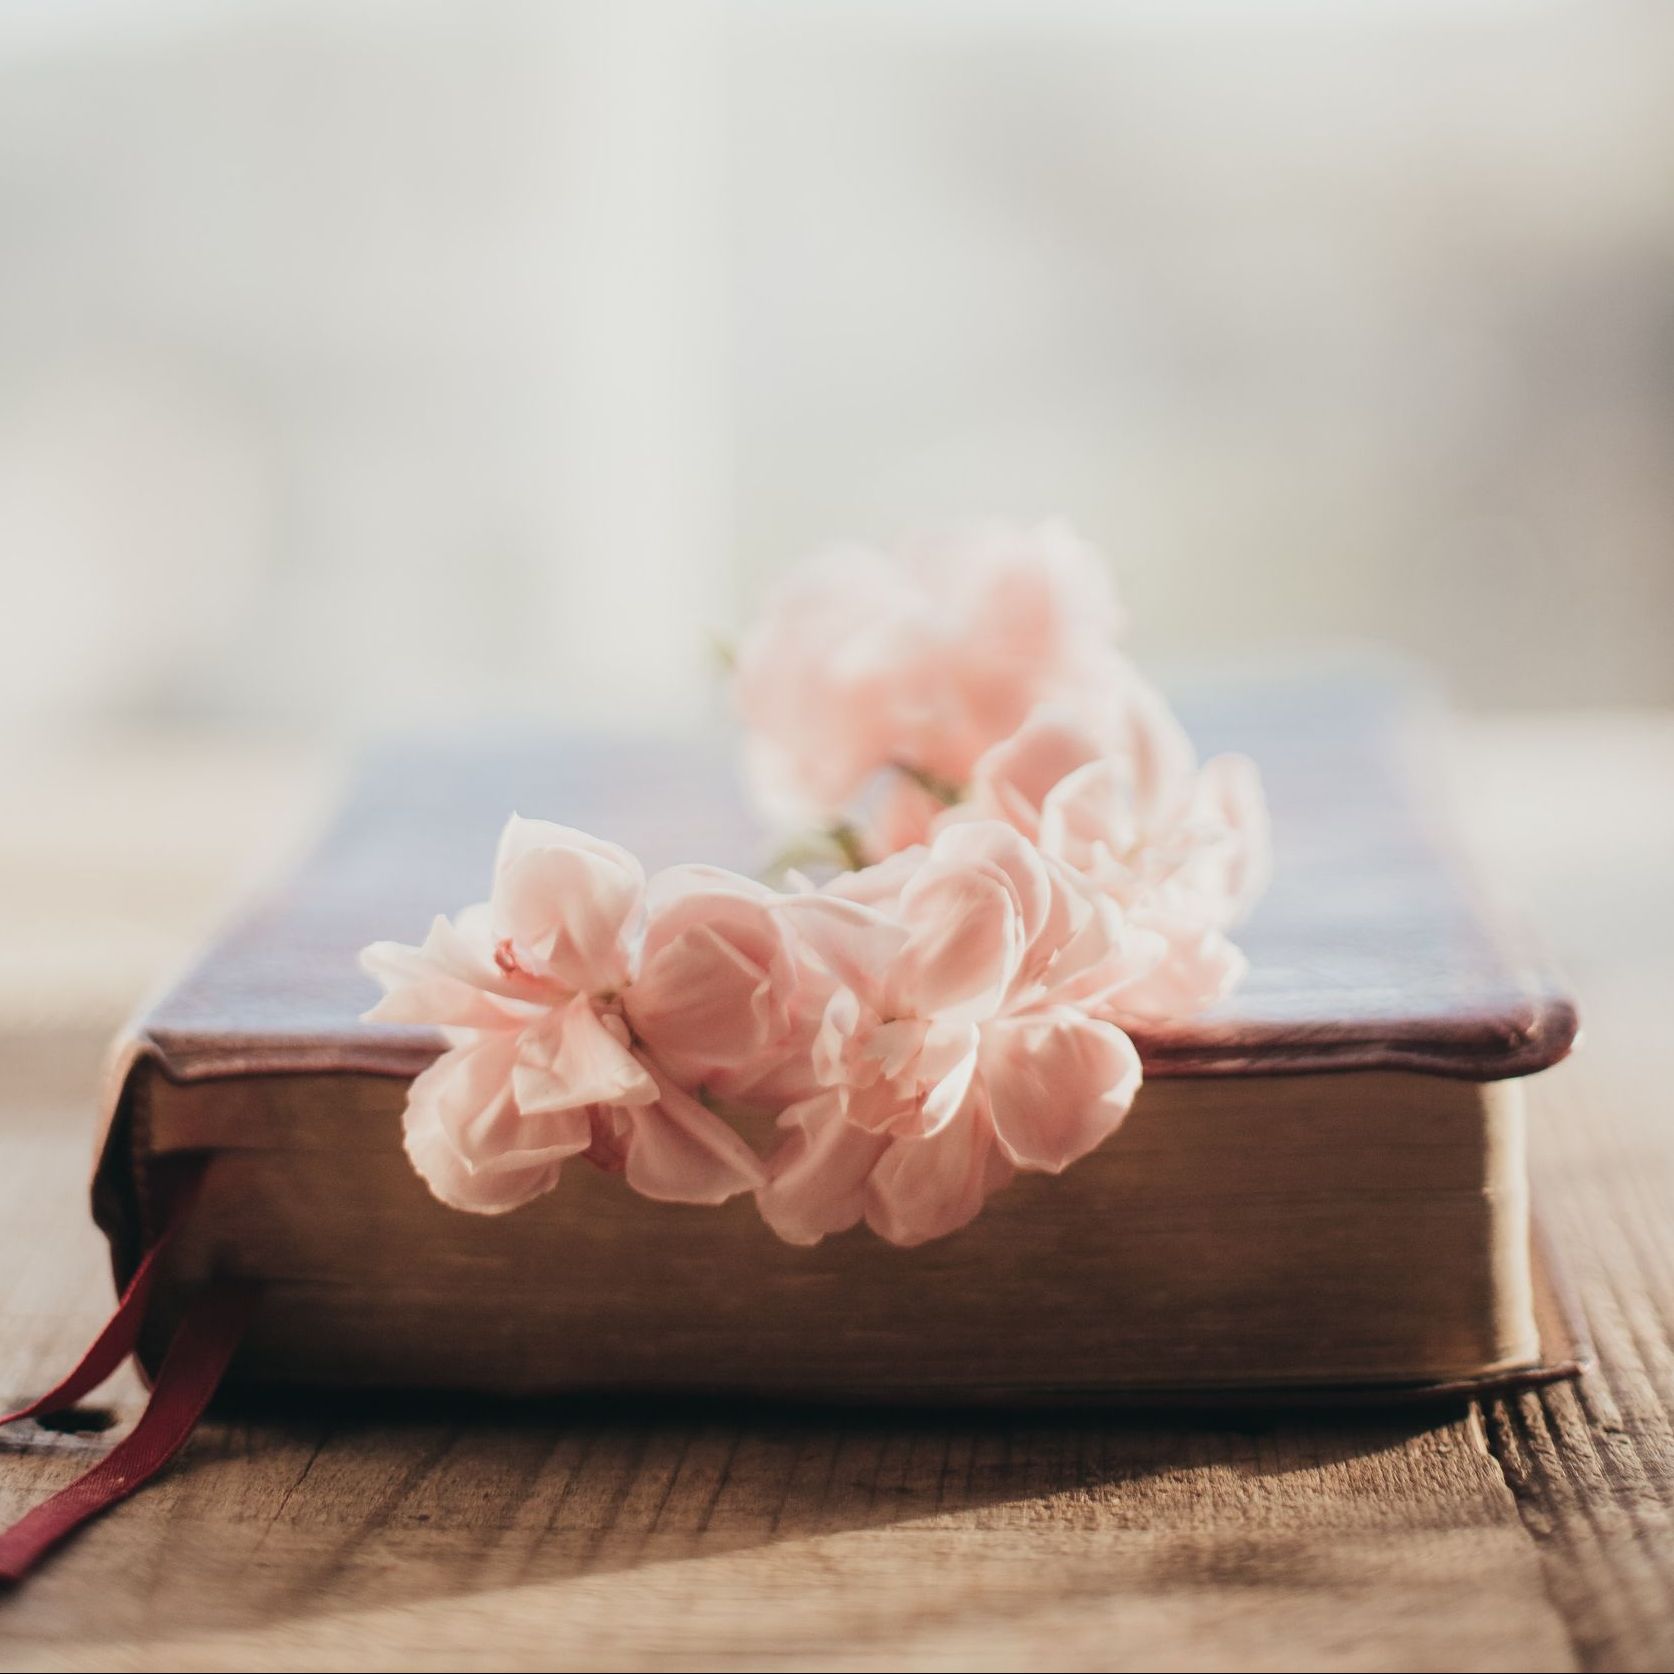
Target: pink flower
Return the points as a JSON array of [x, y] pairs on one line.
[[900, 813], [862, 661], [1029, 615], [724, 999], [956, 1047], [827, 680], [1055, 865], [541, 1065], [1119, 797]]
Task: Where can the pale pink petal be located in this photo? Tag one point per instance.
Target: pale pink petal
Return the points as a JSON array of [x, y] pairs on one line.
[[1027, 613], [880, 884], [774, 1084], [719, 985], [696, 881], [829, 680], [926, 1188], [467, 1139], [817, 1177], [1131, 720], [860, 661], [901, 816], [1230, 796], [839, 1056], [1038, 593], [1149, 736], [858, 944], [994, 847], [451, 981], [965, 946], [883, 1107], [703, 1004], [444, 1171], [1011, 780], [575, 1058], [569, 902], [490, 1130], [1199, 968], [954, 1089], [679, 1152], [1091, 821], [1100, 964], [1058, 1084], [857, 1056], [1089, 948], [1083, 928]]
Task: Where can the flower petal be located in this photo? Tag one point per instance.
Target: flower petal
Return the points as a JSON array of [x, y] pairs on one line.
[[1198, 968], [450, 981], [880, 884], [1011, 780], [718, 983], [858, 944], [828, 680], [576, 1058], [1230, 795], [817, 1178], [679, 1152], [451, 1182], [926, 1188], [570, 901], [1058, 1084], [1091, 821], [956, 1086], [702, 1003], [900, 815], [995, 847], [465, 1136], [965, 945]]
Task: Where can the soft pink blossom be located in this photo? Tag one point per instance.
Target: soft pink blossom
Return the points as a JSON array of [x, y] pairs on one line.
[[831, 677], [1119, 797], [900, 813], [957, 1046], [863, 661], [1029, 615], [724, 1000], [1051, 864], [542, 1065]]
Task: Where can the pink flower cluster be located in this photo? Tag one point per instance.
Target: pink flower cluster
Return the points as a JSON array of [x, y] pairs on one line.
[[1041, 861]]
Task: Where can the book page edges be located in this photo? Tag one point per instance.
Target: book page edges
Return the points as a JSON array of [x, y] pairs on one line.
[[148, 1128]]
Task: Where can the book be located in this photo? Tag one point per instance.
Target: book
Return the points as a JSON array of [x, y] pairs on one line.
[[1320, 1193]]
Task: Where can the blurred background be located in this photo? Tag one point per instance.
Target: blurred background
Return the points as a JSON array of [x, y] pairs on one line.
[[370, 363]]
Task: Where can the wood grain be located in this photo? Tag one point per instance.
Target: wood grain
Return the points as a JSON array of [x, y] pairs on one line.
[[1536, 1534], [1580, 813]]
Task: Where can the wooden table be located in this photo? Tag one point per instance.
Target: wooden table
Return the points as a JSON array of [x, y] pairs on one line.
[[1530, 1533]]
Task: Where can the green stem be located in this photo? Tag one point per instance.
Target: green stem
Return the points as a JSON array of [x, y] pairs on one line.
[[849, 846], [944, 790]]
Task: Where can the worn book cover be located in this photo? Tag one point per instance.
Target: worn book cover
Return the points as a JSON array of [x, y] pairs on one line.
[[1320, 1192]]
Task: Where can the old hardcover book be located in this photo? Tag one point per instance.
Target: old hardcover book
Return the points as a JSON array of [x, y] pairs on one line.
[[1320, 1194]]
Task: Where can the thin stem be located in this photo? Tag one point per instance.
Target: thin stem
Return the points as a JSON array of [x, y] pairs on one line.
[[944, 790], [849, 846]]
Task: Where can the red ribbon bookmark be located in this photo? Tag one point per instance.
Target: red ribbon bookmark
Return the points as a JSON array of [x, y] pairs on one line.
[[120, 1333], [204, 1342]]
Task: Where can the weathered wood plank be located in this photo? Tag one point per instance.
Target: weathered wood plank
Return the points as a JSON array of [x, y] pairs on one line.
[[360, 1537], [1592, 1464], [1579, 813]]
